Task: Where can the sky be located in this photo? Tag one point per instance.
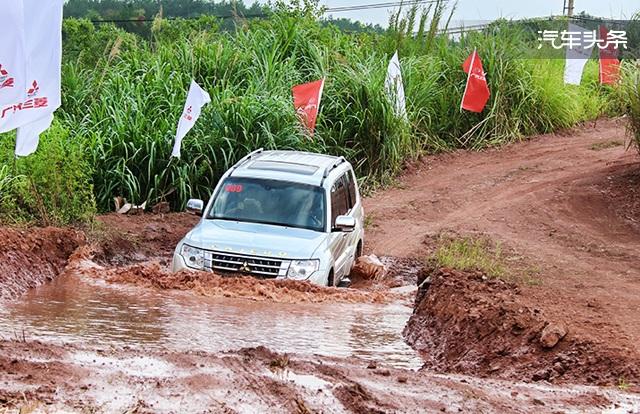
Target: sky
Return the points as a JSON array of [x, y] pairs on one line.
[[482, 10]]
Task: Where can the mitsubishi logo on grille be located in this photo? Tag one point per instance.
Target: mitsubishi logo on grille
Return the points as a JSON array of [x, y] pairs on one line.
[[245, 267]]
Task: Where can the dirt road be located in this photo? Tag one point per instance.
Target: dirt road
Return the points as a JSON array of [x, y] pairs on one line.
[[569, 206]]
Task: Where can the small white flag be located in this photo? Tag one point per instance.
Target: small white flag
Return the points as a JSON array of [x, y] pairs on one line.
[[196, 99], [395, 87], [12, 53], [578, 55], [28, 136]]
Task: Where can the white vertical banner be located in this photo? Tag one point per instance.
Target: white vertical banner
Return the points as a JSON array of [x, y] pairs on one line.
[[12, 52], [196, 99], [28, 136], [395, 87], [43, 46], [577, 56]]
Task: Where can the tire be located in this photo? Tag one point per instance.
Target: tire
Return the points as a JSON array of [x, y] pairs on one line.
[[330, 280]]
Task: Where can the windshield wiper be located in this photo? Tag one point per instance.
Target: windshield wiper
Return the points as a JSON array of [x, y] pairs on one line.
[[271, 223]]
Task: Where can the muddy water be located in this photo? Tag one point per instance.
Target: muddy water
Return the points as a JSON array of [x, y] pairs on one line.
[[79, 310]]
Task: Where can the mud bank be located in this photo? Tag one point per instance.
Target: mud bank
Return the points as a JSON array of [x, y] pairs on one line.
[[155, 275], [49, 378], [466, 323], [30, 257], [121, 240]]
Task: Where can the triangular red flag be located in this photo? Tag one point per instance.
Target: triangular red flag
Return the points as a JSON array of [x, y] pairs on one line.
[[609, 63], [476, 93], [306, 101]]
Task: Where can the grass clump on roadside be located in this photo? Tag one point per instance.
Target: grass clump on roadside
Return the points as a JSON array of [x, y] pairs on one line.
[[470, 254], [600, 146], [478, 253]]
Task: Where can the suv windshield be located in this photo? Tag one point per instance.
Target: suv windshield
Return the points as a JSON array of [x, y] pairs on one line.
[[270, 202]]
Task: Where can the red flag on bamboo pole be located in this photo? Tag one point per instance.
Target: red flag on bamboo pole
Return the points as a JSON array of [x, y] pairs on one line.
[[476, 93], [609, 63], [306, 101]]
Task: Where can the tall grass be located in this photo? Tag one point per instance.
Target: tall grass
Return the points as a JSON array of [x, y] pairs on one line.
[[631, 98], [123, 95]]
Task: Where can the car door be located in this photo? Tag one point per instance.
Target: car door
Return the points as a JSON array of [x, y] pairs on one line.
[[354, 210], [339, 241]]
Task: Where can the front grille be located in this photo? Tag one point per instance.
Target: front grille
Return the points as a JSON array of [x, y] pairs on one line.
[[262, 266]]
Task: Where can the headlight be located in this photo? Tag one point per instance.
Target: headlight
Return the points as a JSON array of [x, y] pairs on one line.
[[193, 257], [303, 269]]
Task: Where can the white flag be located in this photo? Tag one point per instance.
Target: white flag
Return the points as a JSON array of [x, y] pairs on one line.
[[196, 99], [43, 46], [577, 56], [28, 136], [12, 53], [395, 87]]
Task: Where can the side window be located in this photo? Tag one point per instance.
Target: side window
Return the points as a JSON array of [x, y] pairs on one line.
[[339, 200], [351, 188]]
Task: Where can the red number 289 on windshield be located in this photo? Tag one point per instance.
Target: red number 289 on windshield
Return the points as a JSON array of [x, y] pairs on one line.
[[233, 188]]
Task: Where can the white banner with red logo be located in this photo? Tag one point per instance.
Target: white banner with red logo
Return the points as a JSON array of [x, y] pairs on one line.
[[306, 101], [12, 53], [395, 87], [28, 136], [476, 93], [196, 99], [43, 56]]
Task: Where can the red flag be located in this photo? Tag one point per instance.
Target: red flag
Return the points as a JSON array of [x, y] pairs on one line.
[[609, 63], [306, 101], [476, 93]]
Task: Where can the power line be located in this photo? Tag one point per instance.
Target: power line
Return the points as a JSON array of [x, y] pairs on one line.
[[380, 5], [264, 15]]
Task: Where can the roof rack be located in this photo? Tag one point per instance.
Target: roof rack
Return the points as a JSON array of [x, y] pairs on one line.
[[332, 167], [247, 158]]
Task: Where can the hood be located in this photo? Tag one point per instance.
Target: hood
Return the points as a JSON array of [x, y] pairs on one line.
[[255, 239]]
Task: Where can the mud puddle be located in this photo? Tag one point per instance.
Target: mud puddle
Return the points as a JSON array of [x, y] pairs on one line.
[[79, 310]]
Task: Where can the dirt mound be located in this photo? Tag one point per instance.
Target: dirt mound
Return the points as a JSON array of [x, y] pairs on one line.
[[466, 323], [30, 257], [210, 284], [122, 240]]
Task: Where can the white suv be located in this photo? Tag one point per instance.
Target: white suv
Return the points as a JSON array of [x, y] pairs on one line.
[[279, 215]]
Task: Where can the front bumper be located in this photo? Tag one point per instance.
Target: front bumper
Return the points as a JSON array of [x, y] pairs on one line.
[[260, 267]]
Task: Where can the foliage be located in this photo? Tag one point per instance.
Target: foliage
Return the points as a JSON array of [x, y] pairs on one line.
[[52, 187], [631, 98], [123, 95]]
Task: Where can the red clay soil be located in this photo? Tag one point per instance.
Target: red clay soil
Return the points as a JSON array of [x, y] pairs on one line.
[[569, 207], [125, 239], [30, 257], [39, 377], [154, 275], [467, 323]]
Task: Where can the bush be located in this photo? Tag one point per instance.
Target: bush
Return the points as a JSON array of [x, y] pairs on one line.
[[51, 187]]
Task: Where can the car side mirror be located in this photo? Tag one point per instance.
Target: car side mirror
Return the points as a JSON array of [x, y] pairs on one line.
[[195, 206], [345, 224]]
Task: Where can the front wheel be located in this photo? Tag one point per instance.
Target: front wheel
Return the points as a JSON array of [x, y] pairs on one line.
[[330, 280]]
